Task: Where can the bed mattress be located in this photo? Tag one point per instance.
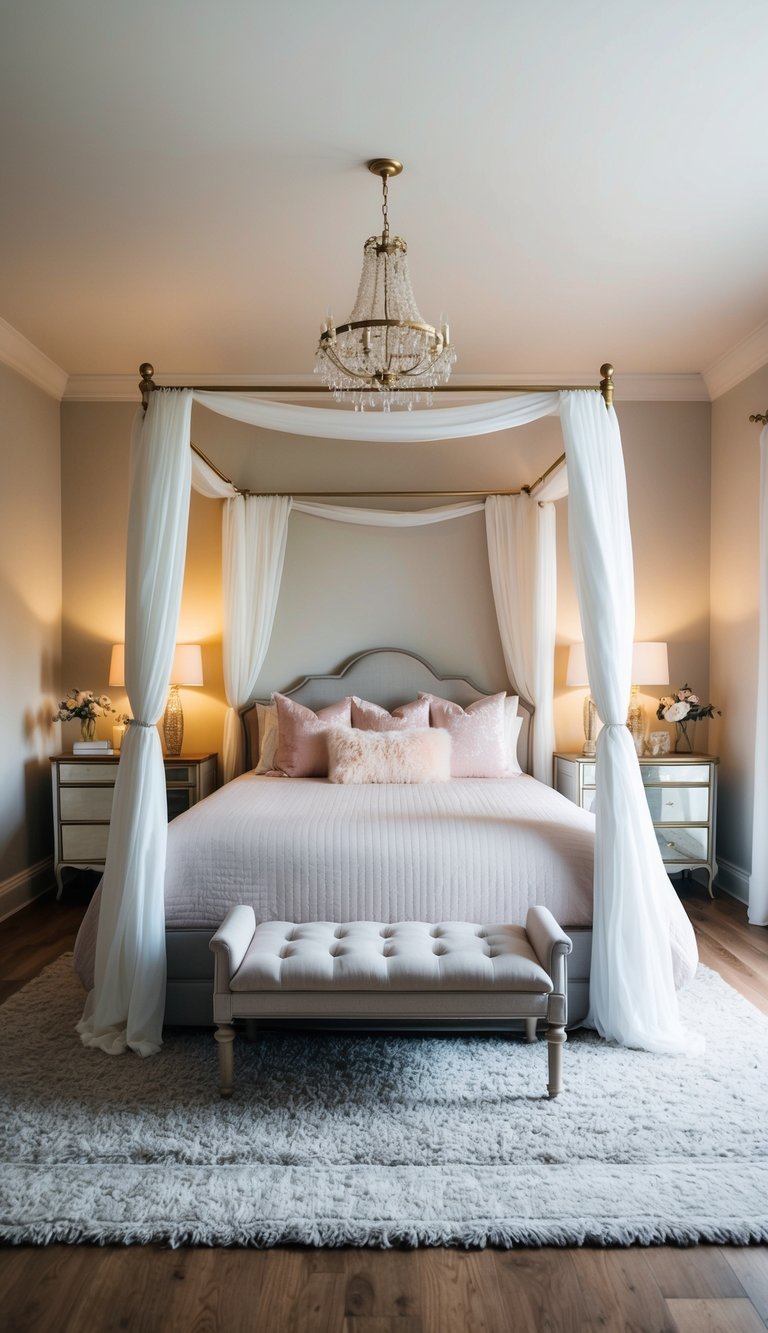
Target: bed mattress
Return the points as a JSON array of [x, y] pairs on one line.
[[304, 849]]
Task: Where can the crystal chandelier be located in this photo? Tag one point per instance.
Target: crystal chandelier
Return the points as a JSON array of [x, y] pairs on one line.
[[385, 353]]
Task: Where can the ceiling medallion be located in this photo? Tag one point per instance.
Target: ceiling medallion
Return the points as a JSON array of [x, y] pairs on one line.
[[385, 354]]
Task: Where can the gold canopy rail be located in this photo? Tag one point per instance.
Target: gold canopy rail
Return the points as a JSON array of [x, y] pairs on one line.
[[605, 387], [762, 417]]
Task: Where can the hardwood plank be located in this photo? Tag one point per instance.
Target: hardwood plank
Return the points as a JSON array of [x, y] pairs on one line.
[[750, 1264], [300, 1293], [49, 1285], [460, 1293], [735, 929], [541, 1290], [737, 1316], [213, 1290], [383, 1324], [716, 958], [381, 1284], [129, 1290], [737, 950], [613, 1281], [700, 1272]]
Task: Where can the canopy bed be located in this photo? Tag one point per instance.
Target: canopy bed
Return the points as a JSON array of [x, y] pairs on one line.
[[635, 911]]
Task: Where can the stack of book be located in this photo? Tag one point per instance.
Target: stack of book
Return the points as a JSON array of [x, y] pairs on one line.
[[97, 748]]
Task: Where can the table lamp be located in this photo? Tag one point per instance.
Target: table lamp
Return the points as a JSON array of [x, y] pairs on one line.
[[187, 669], [650, 666], [576, 675]]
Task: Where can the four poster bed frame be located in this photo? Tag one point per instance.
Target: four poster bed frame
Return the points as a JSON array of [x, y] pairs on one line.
[[631, 995], [385, 677]]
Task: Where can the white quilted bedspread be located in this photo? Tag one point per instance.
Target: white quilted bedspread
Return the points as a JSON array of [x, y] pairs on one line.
[[303, 849]]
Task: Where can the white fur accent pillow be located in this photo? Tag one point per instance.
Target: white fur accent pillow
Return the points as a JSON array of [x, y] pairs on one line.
[[420, 755]]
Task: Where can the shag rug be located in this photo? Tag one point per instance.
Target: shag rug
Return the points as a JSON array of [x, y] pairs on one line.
[[381, 1140]]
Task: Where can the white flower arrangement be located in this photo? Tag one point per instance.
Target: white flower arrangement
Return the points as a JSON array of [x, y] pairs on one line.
[[83, 705], [684, 706]]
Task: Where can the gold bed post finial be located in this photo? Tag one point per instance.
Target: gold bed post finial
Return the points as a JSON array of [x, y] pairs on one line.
[[146, 384], [606, 383]]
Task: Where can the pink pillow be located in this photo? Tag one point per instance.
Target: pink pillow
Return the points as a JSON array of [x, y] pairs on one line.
[[478, 735], [369, 717], [302, 750], [422, 754]]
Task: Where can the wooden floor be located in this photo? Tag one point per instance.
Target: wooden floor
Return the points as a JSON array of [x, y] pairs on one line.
[[82, 1289]]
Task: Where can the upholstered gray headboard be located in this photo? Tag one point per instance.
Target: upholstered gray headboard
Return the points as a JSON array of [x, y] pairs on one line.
[[388, 677]]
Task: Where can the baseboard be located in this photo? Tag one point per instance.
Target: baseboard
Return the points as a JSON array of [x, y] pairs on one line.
[[23, 888], [732, 879]]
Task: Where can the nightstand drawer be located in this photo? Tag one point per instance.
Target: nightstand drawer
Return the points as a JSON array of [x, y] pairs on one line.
[[683, 844], [86, 802], [88, 772], [678, 805], [667, 773], [180, 773], [84, 842]]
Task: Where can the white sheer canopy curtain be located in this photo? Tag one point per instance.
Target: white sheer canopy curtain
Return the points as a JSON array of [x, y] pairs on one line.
[[522, 557], [254, 532], [125, 1007], [758, 881], [638, 920]]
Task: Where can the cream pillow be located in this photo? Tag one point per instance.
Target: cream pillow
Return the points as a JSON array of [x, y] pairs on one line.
[[266, 715], [418, 755]]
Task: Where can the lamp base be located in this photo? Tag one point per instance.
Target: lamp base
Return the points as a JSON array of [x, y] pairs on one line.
[[590, 727], [173, 723]]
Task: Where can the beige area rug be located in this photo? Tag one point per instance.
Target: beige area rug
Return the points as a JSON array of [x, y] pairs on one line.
[[381, 1140]]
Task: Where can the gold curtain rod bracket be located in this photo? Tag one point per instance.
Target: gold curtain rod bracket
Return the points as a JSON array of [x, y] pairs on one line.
[[762, 417]]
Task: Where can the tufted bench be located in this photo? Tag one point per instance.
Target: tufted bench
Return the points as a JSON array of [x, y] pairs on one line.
[[369, 971]]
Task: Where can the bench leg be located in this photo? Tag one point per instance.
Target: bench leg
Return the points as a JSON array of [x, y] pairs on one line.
[[556, 1039], [225, 1036], [530, 1029]]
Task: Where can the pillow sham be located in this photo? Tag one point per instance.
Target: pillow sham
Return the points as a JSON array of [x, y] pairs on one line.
[[302, 750], [370, 717], [512, 726], [478, 735], [418, 755], [266, 717]]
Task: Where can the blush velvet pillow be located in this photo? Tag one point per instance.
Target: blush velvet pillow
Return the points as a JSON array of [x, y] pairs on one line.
[[302, 750], [478, 735], [369, 717], [419, 755]]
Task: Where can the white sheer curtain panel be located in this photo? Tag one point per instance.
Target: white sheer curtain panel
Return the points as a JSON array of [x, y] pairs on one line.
[[758, 880], [638, 919], [386, 518], [522, 557], [206, 481], [125, 1008], [439, 423], [254, 531]]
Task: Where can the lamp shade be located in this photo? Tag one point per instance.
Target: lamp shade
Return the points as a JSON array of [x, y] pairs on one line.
[[187, 666], [649, 664], [117, 665]]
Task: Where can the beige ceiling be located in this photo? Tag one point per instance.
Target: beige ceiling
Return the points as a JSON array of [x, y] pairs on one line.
[[183, 181]]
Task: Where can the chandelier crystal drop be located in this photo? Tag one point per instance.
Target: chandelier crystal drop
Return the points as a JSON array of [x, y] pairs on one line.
[[385, 354]]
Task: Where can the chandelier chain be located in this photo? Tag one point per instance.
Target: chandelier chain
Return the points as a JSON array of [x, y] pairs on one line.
[[385, 209]]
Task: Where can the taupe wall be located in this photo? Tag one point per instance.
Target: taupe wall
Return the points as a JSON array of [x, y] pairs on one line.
[[30, 632], [735, 606], [347, 588]]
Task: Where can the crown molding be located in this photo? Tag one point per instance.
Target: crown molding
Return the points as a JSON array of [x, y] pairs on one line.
[[738, 363], [629, 388], [21, 355]]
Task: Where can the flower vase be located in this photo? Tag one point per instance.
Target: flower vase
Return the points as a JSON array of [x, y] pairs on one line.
[[685, 732], [87, 728]]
